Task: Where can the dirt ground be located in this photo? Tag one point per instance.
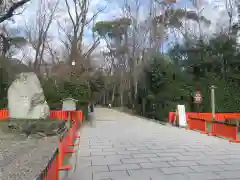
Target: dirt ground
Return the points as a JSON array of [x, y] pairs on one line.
[[23, 158]]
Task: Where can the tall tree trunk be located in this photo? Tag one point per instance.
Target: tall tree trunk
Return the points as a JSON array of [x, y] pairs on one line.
[[121, 90], [135, 90], [113, 94], [104, 98], [121, 98], [143, 106]]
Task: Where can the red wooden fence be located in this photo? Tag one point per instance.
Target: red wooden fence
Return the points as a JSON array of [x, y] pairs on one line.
[[199, 121], [51, 171]]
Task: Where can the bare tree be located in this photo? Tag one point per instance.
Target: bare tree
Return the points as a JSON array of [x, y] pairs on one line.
[[142, 39], [238, 23], [229, 4], [12, 44], [37, 31], [115, 33], [138, 36], [8, 8], [74, 31], [54, 53]]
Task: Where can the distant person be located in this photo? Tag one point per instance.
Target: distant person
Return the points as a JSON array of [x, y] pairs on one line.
[[109, 105], [91, 108]]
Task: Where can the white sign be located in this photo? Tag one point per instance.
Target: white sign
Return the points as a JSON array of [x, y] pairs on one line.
[[181, 116], [69, 104]]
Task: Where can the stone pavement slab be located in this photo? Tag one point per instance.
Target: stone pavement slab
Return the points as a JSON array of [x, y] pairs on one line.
[[125, 147]]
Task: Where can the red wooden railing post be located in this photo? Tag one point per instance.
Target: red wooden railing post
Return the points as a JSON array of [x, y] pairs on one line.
[[188, 123], [72, 137], [236, 140], [56, 167], [204, 131], [75, 130], [60, 154], [236, 134], [63, 149], [51, 170], [81, 116], [171, 117], [213, 129]]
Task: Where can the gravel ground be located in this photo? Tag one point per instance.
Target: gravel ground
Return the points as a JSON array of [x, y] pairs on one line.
[[24, 158]]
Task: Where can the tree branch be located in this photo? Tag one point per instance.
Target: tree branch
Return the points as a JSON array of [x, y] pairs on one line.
[[11, 10], [69, 12], [92, 48]]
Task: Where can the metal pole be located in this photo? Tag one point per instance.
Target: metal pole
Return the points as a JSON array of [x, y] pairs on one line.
[[213, 101], [198, 107]]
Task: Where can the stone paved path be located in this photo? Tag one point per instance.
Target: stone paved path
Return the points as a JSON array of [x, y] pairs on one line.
[[124, 147]]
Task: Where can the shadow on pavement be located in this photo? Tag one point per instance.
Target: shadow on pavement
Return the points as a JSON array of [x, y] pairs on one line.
[[90, 122]]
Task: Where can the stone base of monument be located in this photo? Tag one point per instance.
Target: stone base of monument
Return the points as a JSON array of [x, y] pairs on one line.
[[33, 128]]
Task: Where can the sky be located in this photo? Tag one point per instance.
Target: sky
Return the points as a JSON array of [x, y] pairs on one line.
[[212, 10]]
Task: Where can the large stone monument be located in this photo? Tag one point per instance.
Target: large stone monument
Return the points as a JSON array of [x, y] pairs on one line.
[[26, 99], [28, 109]]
